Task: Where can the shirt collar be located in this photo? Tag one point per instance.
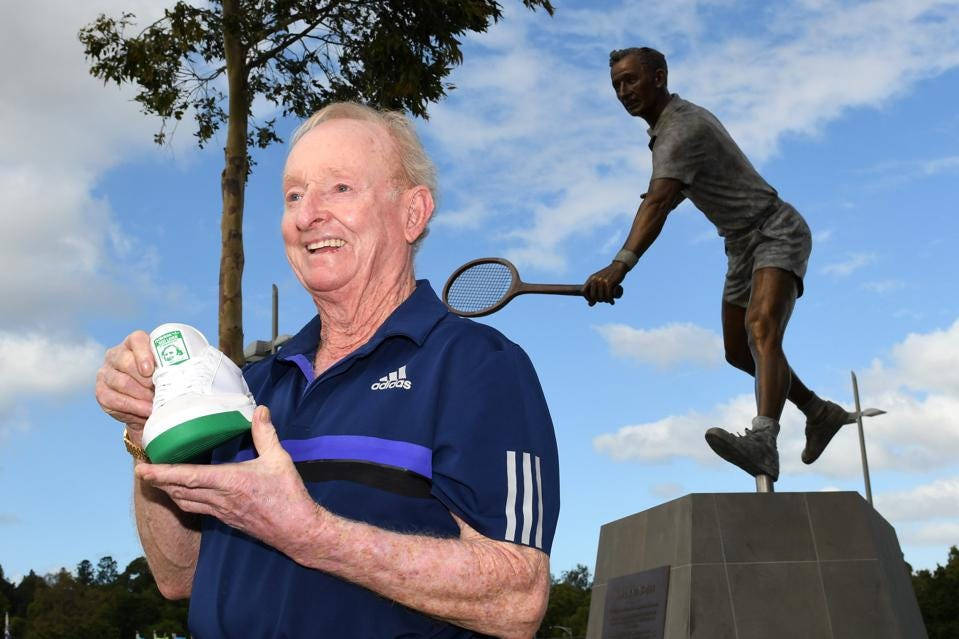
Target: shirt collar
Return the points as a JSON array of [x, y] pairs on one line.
[[414, 318], [671, 106]]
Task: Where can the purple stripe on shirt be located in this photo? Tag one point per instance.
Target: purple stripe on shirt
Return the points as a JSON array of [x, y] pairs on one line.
[[300, 360], [414, 457]]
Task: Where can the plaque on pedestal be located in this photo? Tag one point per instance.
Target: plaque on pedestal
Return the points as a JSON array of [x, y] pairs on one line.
[[759, 565], [636, 605]]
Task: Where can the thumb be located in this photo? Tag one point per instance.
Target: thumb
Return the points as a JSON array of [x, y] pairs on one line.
[[265, 439]]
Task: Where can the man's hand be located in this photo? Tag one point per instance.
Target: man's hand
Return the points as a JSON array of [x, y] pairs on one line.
[[124, 387], [264, 497], [602, 284]]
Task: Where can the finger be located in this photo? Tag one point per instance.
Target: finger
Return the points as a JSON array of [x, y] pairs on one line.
[[123, 359], [187, 475], [466, 531], [195, 507], [265, 439], [213, 498], [138, 342], [124, 384], [122, 407], [589, 291]]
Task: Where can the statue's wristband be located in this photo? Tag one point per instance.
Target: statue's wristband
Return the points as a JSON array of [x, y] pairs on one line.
[[627, 257]]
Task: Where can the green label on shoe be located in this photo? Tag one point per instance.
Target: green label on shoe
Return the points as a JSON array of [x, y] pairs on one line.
[[171, 348]]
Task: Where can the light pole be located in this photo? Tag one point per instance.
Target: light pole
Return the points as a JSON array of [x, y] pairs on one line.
[[869, 412]]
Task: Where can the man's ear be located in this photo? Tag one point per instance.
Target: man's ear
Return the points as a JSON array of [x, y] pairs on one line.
[[418, 212], [660, 77]]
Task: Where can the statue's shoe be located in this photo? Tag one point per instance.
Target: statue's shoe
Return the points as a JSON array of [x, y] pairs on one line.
[[821, 429], [754, 451]]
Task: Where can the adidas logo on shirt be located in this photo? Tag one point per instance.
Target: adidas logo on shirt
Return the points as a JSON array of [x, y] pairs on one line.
[[396, 379]]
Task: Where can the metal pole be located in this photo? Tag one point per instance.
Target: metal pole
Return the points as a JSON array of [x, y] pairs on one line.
[[764, 484], [862, 438], [276, 297]]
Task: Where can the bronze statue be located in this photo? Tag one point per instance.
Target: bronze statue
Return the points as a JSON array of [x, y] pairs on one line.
[[767, 243]]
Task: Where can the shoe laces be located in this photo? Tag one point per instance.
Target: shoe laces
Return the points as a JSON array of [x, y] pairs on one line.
[[751, 433], [190, 377]]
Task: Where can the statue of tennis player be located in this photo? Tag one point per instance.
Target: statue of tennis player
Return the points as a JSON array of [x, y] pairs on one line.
[[767, 244]]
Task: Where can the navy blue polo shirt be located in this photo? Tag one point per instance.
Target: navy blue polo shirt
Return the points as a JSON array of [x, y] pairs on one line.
[[434, 414]]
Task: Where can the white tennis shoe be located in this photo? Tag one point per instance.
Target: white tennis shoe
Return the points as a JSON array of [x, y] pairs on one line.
[[200, 398]]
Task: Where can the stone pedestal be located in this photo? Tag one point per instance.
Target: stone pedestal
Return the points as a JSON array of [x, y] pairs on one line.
[[766, 565]]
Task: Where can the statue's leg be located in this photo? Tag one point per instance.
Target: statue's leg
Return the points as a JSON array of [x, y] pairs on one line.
[[770, 306], [736, 343]]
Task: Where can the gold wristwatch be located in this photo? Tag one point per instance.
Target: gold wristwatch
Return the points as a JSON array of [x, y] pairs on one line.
[[137, 452]]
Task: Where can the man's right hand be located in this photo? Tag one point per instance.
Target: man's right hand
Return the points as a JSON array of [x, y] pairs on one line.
[[124, 387], [601, 285]]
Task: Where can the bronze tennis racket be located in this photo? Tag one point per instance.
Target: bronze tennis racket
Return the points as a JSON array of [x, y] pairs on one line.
[[487, 284]]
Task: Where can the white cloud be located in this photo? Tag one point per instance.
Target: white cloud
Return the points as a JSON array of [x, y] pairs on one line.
[[853, 262], [919, 387], [39, 364], [666, 490], [884, 286], [666, 346], [927, 362], [821, 236], [676, 436], [941, 533], [53, 113], [62, 252], [928, 501], [534, 119], [893, 174], [36, 365]]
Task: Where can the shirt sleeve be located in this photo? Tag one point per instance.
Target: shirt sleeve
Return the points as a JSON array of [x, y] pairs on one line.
[[679, 153], [495, 461]]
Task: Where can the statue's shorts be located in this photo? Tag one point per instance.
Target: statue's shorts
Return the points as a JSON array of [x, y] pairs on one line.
[[783, 241]]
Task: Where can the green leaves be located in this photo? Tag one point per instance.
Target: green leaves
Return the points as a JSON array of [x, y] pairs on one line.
[[300, 55]]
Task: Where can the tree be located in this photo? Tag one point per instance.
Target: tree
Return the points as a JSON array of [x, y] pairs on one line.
[[106, 571], [938, 595], [568, 607], [69, 610], [297, 54], [85, 575]]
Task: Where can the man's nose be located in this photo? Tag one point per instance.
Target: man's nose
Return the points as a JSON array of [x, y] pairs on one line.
[[313, 210]]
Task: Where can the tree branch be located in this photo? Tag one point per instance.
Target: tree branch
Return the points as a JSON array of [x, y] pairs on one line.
[[268, 55]]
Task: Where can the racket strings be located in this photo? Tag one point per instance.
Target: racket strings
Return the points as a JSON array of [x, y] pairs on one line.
[[479, 287]]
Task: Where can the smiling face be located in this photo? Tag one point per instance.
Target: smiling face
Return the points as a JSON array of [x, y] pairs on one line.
[[346, 210], [638, 87]]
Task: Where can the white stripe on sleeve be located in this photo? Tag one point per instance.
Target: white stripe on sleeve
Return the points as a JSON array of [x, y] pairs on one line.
[[511, 495], [539, 518], [527, 498]]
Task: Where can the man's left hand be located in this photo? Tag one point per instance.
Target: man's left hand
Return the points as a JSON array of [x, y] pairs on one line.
[[264, 497], [601, 285]]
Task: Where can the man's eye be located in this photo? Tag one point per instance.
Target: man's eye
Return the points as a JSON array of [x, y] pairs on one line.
[[294, 197], [341, 188]]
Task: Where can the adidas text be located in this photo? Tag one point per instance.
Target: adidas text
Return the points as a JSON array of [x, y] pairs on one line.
[[396, 383]]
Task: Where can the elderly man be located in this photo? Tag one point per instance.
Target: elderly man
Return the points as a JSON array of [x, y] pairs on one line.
[[451, 538], [767, 244]]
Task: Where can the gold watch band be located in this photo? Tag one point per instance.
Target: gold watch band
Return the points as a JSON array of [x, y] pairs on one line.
[[137, 452]]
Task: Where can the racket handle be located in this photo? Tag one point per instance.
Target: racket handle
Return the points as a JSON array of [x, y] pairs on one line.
[[560, 289]]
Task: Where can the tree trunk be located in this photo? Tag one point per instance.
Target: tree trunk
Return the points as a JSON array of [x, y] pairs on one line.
[[233, 184]]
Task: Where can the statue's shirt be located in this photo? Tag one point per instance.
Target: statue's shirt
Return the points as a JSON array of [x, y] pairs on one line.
[[690, 145]]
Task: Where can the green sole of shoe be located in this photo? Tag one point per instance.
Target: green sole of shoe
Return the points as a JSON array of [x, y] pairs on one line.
[[189, 439]]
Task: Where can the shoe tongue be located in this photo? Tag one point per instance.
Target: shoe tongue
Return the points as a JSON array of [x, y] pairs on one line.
[[176, 343]]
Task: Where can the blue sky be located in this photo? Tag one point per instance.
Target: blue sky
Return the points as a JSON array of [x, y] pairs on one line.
[[847, 108]]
